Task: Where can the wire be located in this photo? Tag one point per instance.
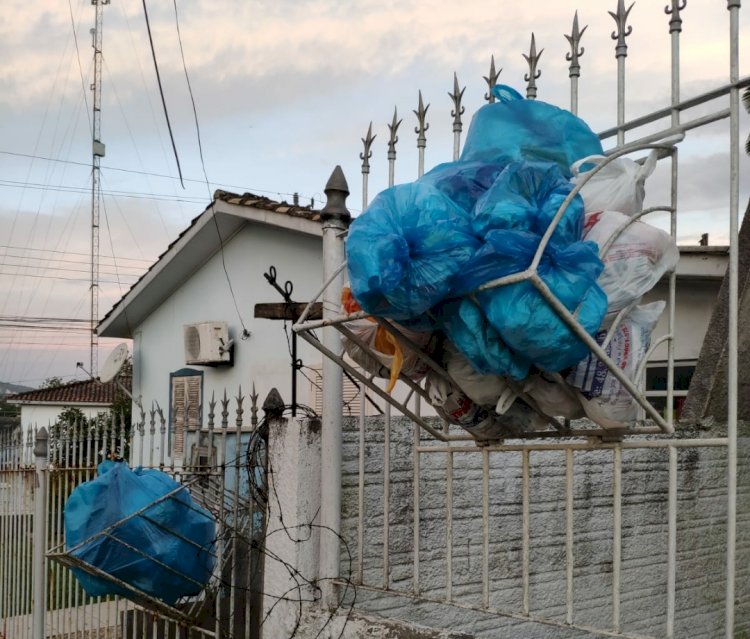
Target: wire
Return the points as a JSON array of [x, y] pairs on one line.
[[80, 68], [14, 248], [161, 92], [245, 332], [232, 187]]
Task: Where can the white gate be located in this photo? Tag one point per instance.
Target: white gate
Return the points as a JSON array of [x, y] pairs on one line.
[[578, 529]]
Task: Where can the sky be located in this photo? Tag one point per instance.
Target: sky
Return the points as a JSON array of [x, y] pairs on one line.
[[284, 90]]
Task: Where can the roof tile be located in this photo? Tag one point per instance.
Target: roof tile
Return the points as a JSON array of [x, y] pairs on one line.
[[84, 392]]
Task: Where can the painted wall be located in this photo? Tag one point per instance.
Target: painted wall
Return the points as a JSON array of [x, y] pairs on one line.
[[263, 358], [694, 303], [38, 416]]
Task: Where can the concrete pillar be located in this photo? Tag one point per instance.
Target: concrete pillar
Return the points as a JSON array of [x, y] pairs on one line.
[[292, 532]]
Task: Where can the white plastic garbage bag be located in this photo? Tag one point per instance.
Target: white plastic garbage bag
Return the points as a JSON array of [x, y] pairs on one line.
[[619, 186], [605, 400], [453, 405], [634, 263], [553, 398], [385, 352], [487, 390]]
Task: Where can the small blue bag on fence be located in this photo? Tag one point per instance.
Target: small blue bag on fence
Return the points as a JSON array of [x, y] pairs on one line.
[[517, 129], [524, 320], [526, 197], [113, 496], [404, 250]]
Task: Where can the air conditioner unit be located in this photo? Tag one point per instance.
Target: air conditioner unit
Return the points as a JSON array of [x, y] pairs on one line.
[[207, 344]]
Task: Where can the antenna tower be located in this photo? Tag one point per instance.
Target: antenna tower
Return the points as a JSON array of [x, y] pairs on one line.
[[97, 152]]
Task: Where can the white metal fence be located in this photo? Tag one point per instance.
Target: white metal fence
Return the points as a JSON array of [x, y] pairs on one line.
[[33, 493], [406, 517]]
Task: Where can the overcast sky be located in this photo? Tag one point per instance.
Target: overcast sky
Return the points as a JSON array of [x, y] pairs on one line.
[[284, 90]]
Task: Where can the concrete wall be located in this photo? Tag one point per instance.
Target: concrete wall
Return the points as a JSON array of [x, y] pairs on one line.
[[701, 539], [262, 359]]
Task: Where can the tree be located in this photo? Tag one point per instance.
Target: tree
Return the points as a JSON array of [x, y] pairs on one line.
[[52, 382]]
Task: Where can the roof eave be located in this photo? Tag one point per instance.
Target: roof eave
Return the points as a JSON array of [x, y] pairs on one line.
[[175, 267]]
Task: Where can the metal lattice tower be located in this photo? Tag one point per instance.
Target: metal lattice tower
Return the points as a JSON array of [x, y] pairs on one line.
[[97, 153]]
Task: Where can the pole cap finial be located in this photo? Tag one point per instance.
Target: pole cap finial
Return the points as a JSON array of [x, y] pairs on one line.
[[337, 190], [41, 443]]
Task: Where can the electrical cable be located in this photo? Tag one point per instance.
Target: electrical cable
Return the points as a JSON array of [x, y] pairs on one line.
[[161, 92]]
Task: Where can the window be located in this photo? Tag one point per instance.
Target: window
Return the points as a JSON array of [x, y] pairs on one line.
[[351, 394], [185, 407], [656, 385]]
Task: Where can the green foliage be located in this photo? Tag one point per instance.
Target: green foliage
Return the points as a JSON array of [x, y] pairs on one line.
[[52, 382]]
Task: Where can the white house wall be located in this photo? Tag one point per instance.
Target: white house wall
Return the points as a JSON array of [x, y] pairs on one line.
[[264, 357], [45, 416], [694, 304]]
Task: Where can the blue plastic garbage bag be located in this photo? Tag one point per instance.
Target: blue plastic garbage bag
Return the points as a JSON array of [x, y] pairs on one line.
[[466, 326], [118, 492], [526, 322], [404, 250], [526, 197], [463, 182], [517, 129]]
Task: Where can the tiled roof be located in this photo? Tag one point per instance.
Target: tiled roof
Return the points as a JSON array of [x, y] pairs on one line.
[[264, 203], [85, 392]]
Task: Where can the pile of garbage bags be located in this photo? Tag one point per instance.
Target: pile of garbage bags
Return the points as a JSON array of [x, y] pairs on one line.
[[163, 546], [440, 259]]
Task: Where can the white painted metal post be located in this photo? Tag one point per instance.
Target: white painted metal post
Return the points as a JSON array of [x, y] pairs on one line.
[[39, 604], [733, 320], [336, 219]]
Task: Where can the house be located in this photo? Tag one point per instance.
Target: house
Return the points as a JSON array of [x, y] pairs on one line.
[[191, 315], [42, 407]]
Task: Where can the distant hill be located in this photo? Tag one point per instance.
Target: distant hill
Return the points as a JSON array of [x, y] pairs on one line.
[[10, 389]]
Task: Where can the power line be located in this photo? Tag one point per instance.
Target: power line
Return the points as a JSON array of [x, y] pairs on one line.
[[230, 187], [63, 188], [58, 260], [23, 248], [60, 277]]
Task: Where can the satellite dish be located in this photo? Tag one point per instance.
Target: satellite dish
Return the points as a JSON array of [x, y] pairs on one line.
[[114, 363]]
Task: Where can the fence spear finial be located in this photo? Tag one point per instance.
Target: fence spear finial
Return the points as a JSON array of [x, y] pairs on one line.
[[491, 81], [393, 128], [367, 153], [422, 126], [623, 30], [576, 51], [675, 22], [532, 59]]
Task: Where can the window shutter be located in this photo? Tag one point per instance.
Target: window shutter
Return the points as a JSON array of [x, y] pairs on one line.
[[186, 409], [351, 396]]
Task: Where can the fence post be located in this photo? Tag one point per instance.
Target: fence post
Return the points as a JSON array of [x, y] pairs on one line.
[[39, 602], [336, 218]]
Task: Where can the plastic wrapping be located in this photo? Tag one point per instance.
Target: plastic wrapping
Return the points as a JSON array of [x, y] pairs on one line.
[[526, 197], [463, 182], [486, 390], [553, 397], [605, 399], [524, 320], [619, 186], [467, 328], [514, 129], [405, 249], [635, 262], [161, 532], [453, 405]]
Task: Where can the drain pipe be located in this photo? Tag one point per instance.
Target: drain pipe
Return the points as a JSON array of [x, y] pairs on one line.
[[336, 219]]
